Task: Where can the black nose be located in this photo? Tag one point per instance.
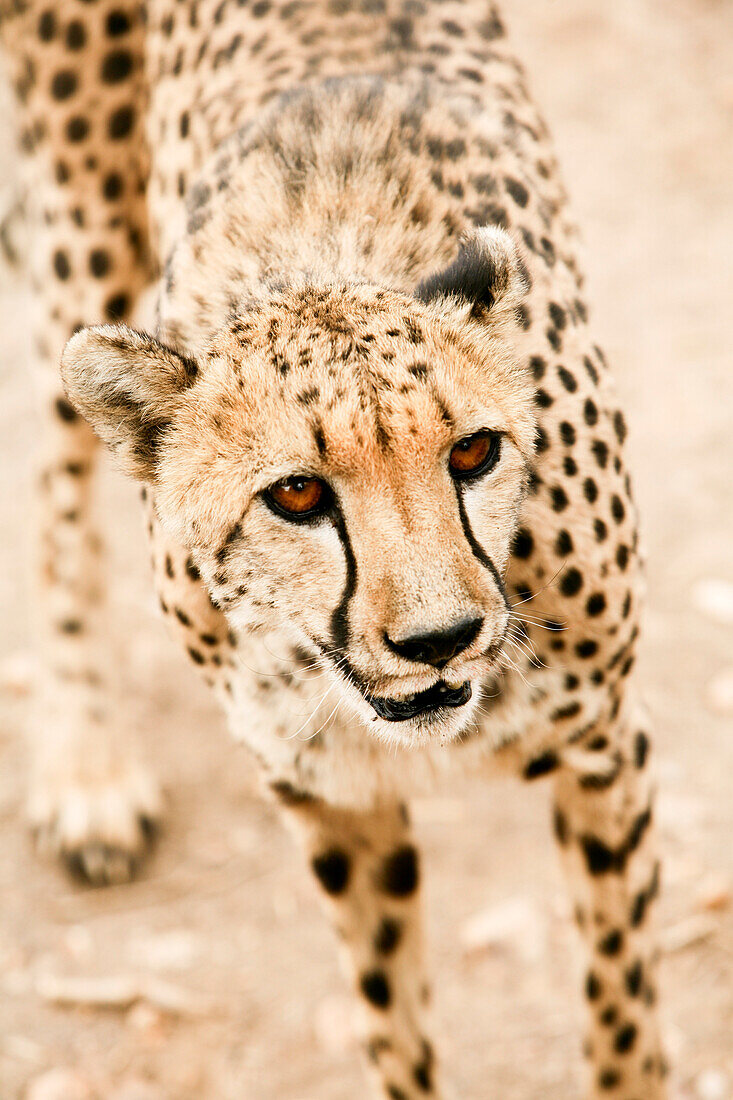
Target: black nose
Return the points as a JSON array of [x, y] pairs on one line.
[[437, 647]]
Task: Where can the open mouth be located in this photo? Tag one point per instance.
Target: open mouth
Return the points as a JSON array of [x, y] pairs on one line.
[[440, 695]]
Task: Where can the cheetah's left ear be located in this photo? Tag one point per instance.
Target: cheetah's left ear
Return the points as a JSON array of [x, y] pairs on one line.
[[487, 271], [128, 386]]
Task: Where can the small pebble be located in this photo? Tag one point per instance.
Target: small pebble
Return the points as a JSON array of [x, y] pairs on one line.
[[712, 1084], [515, 923], [17, 673], [719, 692], [137, 1089], [59, 1084], [334, 1024], [714, 598], [714, 892]]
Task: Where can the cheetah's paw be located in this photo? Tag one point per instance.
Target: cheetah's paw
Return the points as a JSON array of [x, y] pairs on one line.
[[100, 828]]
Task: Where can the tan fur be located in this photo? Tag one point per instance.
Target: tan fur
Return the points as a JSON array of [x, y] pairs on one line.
[[339, 298]]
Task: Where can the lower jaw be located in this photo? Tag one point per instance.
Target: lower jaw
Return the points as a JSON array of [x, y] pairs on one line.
[[428, 705]]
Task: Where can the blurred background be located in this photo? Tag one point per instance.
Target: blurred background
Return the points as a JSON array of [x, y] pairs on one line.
[[213, 976]]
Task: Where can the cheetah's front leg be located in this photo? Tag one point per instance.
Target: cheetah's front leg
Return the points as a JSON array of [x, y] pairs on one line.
[[367, 867], [603, 823], [77, 75]]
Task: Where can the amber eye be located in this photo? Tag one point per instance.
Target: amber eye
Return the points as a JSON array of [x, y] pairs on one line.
[[474, 455], [299, 497]]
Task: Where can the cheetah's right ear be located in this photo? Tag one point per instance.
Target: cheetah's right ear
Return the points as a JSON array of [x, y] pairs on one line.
[[487, 273], [127, 386]]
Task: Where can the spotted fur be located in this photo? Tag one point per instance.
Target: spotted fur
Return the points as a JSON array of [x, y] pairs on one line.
[[363, 255]]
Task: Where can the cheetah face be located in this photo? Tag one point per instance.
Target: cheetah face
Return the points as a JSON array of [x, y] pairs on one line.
[[346, 464]]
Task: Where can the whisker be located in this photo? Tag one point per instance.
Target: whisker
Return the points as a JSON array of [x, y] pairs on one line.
[[539, 590], [538, 621], [311, 716]]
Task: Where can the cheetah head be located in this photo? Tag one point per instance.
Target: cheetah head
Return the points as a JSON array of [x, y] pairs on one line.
[[347, 462]]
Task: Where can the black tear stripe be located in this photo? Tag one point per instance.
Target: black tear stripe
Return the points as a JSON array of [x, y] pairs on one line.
[[340, 616], [478, 549]]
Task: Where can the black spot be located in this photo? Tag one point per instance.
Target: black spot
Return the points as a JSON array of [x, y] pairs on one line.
[[523, 317], [590, 490], [600, 452], [523, 544], [559, 498], [600, 530], [99, 263], [63, 85], [643, 898], [571, 582], [423, 1075], [570, 466], [191, 570], [622, 556], [112, 186], [290, 795], [633, 979], [586, 648], [116, 66], [517, 190], [553, 339], [47, 26], [396, 1093], [590, 413], [619, 425], [65, 411], [567, 433], [332, 870], [617, 509], [543, 399], [592, 372], [624, 1039], [77, 129], [609, 1016], [593, 988], [116, 307], [567, 379], [375, 987], [570, 710], [564, 545], [596, 604], [388, 936], [61, 264], [612, 943], [598, 856], [560, 826], [196, 657], [541, 765], [541, 443], [121, 122], [118, 23], [71, 626], [400, 872], [76, 35], [641, 749], [557, 316], [609, 1078], [538, 367]]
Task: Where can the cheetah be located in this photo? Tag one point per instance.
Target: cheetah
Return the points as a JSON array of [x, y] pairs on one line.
[[380, 453]]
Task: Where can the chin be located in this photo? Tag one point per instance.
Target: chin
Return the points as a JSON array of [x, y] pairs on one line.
[[436, 716]]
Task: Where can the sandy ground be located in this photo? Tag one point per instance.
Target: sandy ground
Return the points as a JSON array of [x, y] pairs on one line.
[[640, 96]]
